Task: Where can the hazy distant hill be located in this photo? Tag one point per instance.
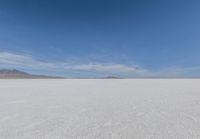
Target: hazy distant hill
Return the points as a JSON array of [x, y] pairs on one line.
[[111, 77], [16, 74]]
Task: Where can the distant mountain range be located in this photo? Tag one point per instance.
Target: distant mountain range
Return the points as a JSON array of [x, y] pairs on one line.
[[16, 74]]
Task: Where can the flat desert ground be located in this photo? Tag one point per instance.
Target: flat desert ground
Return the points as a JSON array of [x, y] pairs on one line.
[[100, 109]]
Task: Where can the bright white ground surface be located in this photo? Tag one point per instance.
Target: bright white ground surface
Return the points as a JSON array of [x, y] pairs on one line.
[[100, 109]]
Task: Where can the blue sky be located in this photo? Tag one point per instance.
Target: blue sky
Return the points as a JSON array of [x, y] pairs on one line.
[[95, 38]]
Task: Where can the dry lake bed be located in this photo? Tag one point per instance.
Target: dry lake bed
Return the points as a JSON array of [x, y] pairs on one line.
[[100, 109]]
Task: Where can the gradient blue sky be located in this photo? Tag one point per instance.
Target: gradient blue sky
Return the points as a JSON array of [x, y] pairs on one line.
[[94, 38]]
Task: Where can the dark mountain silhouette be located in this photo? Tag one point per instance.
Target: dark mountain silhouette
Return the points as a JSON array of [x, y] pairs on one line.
[[111, 77], [16, 74]]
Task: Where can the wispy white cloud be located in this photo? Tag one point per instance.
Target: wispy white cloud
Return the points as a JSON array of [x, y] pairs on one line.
[[28, 61], [31, 62], [23, 60], [174, 72], [115, 68]]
